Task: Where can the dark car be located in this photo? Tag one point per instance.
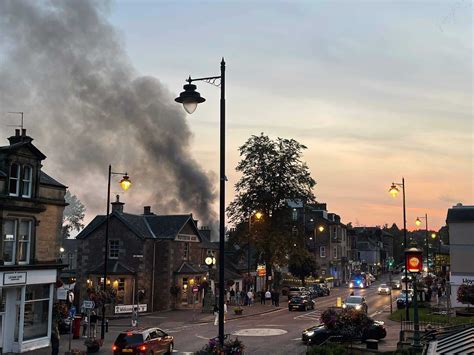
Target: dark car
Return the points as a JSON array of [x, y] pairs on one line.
[[301, 303], [143, 341], [320, 333], [324, 289], [356, 302], [318, 290]]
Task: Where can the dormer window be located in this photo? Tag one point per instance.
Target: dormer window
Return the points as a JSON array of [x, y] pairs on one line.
[[26, 181], [14, 179]]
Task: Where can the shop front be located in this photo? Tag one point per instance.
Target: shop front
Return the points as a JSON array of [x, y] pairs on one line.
[[26, 309]]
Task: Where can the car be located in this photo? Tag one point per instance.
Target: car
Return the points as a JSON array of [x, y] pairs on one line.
[[357, 302], [384, 289], [409, 278], [318, 290], [358, 283], [149, 340], [371, 277], [318, 334], [326, 289], [401, 301], [295, 291], [397, 285], [300, 303]]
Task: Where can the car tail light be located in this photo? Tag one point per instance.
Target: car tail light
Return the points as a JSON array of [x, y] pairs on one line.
[[114, 347], [142, 347]]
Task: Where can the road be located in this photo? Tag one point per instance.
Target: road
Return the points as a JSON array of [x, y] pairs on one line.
[[277, 332]]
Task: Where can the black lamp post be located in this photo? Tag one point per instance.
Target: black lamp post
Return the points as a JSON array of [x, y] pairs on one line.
[[125, 183], [258, 216], [394, 192], [190, 98], [414, 264], [418, 223]]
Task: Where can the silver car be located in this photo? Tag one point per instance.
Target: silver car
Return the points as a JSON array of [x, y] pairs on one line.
[[356, 302]]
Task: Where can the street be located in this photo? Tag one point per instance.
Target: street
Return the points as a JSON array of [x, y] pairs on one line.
[[278, 331]]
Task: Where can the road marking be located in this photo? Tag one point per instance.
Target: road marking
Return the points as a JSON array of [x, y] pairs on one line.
[[259, 332], [313, 315]]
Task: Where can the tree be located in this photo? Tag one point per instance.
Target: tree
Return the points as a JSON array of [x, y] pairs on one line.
[[73, 215], [302, 264], [466, 294], [272, 173]]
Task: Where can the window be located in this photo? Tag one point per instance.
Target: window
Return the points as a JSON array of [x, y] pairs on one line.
[[14, 179], [334, 252], [26, 181], [186, 251], [121, 284], [9, 241], [24, 238], [114, 249], [322, 252], [37, 299], [295, 214]]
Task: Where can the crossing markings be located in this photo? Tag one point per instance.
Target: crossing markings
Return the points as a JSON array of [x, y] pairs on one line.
[[313, 315]]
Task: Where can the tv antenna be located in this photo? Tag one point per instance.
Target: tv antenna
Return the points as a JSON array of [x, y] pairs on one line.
[[15, 125]]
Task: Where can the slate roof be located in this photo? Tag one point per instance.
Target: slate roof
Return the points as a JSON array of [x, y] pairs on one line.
[[113, 268], [45, 179], [190, 268], [206, 239], [145, 226], [460, 214], [24, 143]]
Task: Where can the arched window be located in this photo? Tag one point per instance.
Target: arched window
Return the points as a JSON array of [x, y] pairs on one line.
[[14, 182]]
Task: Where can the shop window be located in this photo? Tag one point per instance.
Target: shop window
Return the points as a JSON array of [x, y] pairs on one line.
[[26, 181], [114, 249], [36, 313], [14, 180]]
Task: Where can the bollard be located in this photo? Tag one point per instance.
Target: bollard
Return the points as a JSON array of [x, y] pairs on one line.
[[106, 325]]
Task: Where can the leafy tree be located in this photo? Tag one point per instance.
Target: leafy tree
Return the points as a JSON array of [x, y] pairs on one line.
[[73, 215], [302, 264], [272, 173], [466, 294]]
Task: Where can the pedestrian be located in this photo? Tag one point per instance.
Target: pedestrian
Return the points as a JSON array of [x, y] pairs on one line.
[[273, 297], [84, 323], [93, 322], [237, 298], [232, 296], [216, 314], [55, 341], [250, 297], [225, 310], [262, 297], [268, 295], [277, 299], [243, 296]]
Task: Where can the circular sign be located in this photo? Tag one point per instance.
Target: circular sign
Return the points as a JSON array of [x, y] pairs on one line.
[[414, 262], [195, 289]]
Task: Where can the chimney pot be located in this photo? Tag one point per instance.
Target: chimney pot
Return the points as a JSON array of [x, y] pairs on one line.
[[17, 132], [23, 132], [147, 210], [117, 206]]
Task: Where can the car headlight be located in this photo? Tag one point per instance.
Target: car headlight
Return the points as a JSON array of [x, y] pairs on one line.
[[310, 333], [358, 306], [351, 284], [380, 289], [344, 305]]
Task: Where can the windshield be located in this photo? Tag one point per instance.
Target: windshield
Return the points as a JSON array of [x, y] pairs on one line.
[[129, 339], [354, 299]]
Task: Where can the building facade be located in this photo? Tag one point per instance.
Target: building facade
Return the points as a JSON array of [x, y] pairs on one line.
[[31, 210], [460, 221], [157, 261]]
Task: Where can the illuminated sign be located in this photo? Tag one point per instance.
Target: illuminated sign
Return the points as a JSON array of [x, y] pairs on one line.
[[261, 270], [414, 260]]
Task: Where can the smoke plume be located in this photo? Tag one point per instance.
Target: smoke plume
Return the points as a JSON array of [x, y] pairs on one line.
[[63, 64]]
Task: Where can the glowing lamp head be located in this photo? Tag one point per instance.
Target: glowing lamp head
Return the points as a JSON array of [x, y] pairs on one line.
[[61, 250], [394, 190], [321, 228], [258, 215], [190, 98], [433, 235], [208, 261], [125, 183], [418, 222]]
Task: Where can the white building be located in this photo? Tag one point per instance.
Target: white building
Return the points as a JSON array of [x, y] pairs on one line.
[[460, 221]]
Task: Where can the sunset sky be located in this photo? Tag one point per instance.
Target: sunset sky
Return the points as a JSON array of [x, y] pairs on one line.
[[376, 90]]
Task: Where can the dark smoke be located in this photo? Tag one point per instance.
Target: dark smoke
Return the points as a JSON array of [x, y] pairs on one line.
[[64, 66]]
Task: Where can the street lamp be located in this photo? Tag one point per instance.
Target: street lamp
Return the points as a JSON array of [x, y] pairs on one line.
[[125, 183], [418, 223], [258, 216], [394, 190], [190, 98]]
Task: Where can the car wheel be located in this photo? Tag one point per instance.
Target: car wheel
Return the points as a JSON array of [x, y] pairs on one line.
[[170, 349]]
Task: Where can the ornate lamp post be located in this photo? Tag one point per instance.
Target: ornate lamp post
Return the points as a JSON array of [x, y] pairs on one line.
[[190, 98], [125, 183], [258, 216], [394, 190], [418, 223]]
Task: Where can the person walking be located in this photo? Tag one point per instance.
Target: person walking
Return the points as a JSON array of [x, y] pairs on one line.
[[93, 322], [268, 295], [216, 314], [277, 299], [84, 323], [262, 297], [250, 297], [225, 310], [232, 296]]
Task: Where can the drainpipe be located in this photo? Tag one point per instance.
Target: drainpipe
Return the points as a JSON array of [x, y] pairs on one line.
[[153, 277]]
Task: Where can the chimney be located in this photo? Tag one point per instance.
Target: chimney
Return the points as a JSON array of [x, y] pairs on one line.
[[19, 137], [147, 210], [117, 206]]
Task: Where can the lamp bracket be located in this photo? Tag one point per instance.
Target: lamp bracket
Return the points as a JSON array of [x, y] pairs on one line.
[[213, 80]]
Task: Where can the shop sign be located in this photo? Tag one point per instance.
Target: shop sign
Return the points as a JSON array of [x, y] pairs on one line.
[[128, 308], [14, 278], [414, 260], [88, 304], [195, 289], [261, 270]]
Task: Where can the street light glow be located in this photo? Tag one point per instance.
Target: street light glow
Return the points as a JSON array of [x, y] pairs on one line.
[[394, 190], [125, 183], [418, 222], [321, 228]]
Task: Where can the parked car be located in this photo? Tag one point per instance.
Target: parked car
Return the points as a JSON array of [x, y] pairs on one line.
[[357, 302], [143, 341], [301, 303], [384, 289], [320, 333], [318, 290], [295, 291]]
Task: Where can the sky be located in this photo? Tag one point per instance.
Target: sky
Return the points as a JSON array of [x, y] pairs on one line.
[[376, 90]]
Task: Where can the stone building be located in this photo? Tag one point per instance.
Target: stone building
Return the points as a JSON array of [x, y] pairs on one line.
[[31, 210], [148, 255]]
